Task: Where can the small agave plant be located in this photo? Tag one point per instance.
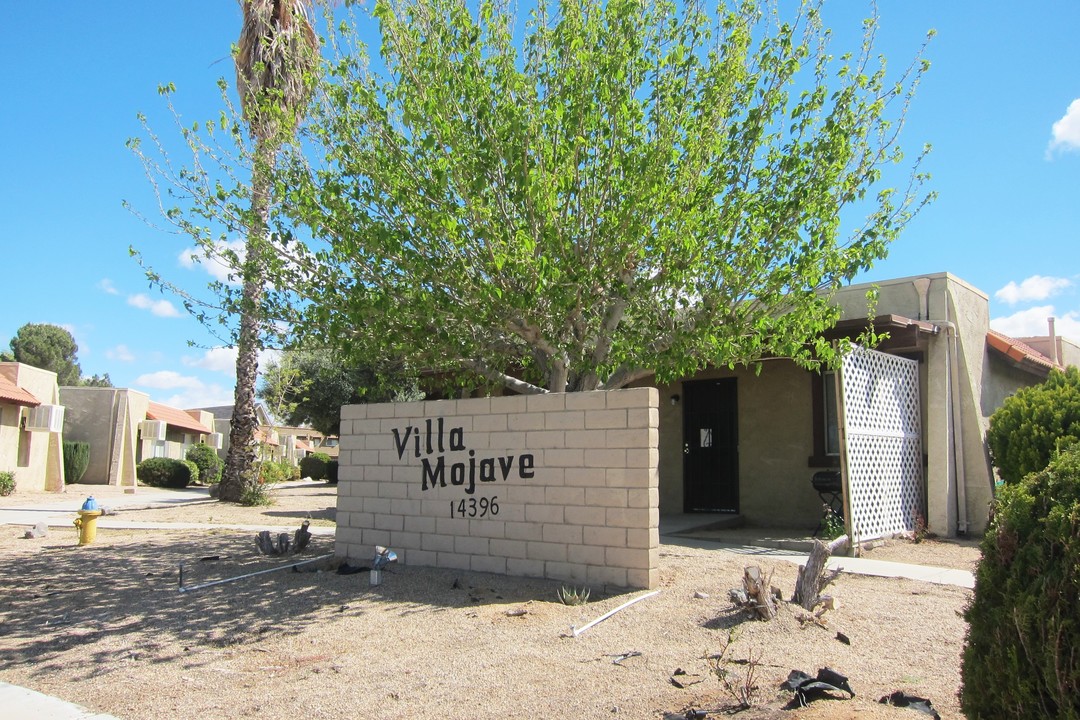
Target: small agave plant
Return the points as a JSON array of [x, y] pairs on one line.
[[573, 596]]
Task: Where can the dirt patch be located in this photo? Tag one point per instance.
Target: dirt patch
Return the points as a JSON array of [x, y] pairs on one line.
[[105, 626], [957, 554]]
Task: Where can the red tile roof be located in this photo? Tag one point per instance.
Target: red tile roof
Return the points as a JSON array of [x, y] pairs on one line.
[[1020, 353], [176, 418], [15, 395]]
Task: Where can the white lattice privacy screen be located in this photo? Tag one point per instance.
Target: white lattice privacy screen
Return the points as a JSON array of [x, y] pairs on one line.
[[883, 445]]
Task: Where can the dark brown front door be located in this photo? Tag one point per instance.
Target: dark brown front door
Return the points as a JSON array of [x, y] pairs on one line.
[[710, 446]]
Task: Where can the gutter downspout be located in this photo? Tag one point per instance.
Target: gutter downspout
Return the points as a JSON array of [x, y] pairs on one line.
[[956, 416]]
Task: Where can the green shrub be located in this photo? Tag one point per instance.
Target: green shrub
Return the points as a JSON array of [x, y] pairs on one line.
[[210, 465], [164, 472], [273, 472], [76, 460], [1034, 424], [314, 466], [331, 472], [7, 482], [256, 495], [193, 469], [1020, 659]]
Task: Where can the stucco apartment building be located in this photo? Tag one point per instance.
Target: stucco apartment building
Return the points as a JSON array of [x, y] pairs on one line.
[[31, 427], [736, 442]]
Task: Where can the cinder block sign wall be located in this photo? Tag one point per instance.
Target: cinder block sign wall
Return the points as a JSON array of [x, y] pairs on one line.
[[560, 486]]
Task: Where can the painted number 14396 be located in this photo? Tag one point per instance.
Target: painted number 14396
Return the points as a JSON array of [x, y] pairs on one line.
[[474, 507]]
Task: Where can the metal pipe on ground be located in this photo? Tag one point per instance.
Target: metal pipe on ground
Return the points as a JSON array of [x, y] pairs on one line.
[[189, 588]]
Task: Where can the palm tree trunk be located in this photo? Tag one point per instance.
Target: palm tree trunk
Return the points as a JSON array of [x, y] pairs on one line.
[[238, 473]]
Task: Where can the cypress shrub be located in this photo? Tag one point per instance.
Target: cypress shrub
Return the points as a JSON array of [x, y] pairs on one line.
[[314, 466], [1034, 424], [76, 460], [1020, 659], [210, 465], [165, 472]]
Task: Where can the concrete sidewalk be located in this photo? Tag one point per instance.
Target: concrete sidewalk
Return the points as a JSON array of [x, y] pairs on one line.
[[20, 702]]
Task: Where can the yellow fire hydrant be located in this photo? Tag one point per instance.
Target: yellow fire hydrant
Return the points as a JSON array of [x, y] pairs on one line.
[[87, 521]]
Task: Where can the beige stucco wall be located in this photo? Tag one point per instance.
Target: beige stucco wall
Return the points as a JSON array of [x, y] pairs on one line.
[[585, 510], [43, 468], [108, 419]]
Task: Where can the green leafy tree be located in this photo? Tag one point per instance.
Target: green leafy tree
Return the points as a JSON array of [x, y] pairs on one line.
[[308, 387], [1035, 424], [49, 347], [642, 187]]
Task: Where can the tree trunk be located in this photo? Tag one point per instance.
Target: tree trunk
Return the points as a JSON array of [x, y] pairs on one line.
[[808, 587], [759, 593], [243, 424]]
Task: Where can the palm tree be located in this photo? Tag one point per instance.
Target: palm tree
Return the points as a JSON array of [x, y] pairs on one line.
[[276, 55]]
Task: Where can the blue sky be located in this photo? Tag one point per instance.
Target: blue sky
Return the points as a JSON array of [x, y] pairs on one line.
[[1001, 106]]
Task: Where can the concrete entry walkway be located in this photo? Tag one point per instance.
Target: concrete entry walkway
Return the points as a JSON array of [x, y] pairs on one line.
[[20, 702]]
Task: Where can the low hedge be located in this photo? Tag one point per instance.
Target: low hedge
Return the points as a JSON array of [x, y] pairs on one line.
[[315, 465], [166, 472]]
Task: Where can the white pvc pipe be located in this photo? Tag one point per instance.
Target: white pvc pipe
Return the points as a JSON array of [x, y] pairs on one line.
[[258, 572], [577, 631]]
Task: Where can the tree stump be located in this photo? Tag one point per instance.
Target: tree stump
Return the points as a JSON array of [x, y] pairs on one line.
[[809, 585], [759, 593]]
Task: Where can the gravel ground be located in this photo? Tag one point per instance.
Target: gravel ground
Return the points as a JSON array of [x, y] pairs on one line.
[[105, 626]]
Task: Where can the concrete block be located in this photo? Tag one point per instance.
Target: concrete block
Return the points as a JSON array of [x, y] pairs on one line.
[[380, 410], [542, 439], [525, 494], [509, 404], [508, 548], [389, 522], [610, 458], [583, 515], [525, 421], [644, 579], [379, 506], [605, 497], [548, 552], [643, 497], [544, 513], [380, 473], [376, 537], [587, 439], [350, 441], [605, 419], [471, 545], [349, 536], [405, 507], [422, 525], [350, 504], [561, 495], [411, 410], [489, 423], [453, 561], [596, 400], [438, 543], [524, 531], [474, 406], [642, 539], [357, 520], [354, 412], [605, 575], [489, 564], [349, 473], [572, 458], [421, 558], [405, 540], [525, 567], [627, 517], [572, 573], [629, 558], [632, 478], [643, 418], [636, 438], [487, 528], [585, 554], [604, 536], [647, 457], [634, 397], [565, 534], [545, 403], [585, 477], [395, 491], [566, 420], [512, 441]]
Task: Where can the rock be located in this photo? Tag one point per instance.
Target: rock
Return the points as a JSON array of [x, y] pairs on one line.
[[38, 531], [701, 596]]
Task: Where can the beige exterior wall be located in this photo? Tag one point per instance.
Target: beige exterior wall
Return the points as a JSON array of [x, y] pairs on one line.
[[108, 419], [36, 457], [575, 482]]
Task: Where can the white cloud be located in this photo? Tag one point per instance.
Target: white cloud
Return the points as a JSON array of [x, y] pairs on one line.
[[161, 308], [208, 395], [107, 286], [197, 257], [169, 380], [223, 360], [120, 353], [1035, 287], [1033, 322], [1066, 131]]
